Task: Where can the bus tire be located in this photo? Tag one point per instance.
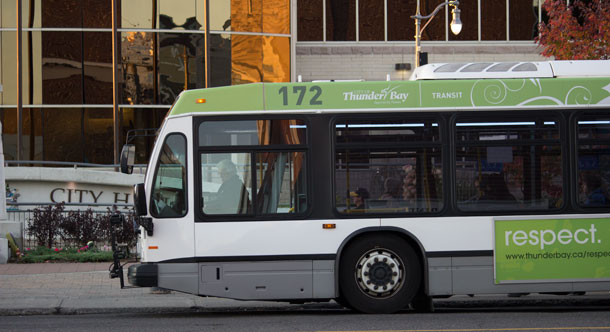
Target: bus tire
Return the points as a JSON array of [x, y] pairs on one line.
[[379, 274]]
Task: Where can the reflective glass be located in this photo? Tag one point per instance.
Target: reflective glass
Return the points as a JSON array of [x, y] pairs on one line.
[[247, 15], [30, 13], [593, 161], [140, 126], [276, 59], [181, 14], [387, 132], [340, 20], [276, 16], [62, 72], [436, 29], [62, 135], [220, 60], [98, 136], [493, 19], [400, 24], [174, 48], [252, 132], [226, 183], [31, 58], [371, 20], [523, 19], [309, 20], [220, 15], [31, 136], [281, 183], [246, 59], [470, 21], [168, 194], [97, 68], [388, 181], [138, 14], [96, 13], [137, 68], [502, 177]]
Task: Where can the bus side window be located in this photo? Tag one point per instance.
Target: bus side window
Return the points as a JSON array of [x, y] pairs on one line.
[[169, 184], [593, 156]]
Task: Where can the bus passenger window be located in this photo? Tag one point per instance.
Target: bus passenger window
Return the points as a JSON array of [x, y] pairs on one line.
[[593, 159], [224, 191], [508, 165], [169, 186]]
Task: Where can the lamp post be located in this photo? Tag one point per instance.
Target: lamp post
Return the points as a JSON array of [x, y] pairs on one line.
[[456, 23]]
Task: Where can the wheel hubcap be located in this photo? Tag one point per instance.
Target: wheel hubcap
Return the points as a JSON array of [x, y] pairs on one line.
[[379, 273]]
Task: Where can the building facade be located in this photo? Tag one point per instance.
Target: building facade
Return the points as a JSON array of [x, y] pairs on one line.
[[65, 103]]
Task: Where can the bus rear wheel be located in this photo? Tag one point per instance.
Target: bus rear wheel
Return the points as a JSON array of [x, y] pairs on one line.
[[379, 274]]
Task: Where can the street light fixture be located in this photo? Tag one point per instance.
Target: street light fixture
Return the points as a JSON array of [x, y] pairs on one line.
[[456, 23]]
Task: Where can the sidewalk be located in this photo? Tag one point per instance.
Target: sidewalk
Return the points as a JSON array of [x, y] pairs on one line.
[[82, 288], [85, 288]]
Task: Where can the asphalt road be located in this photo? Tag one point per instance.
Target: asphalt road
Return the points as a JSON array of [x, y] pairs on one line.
[[451, 316]]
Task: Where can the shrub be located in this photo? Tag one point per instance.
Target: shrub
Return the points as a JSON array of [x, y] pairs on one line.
[[80, 227], [45, 224], [126, 231]]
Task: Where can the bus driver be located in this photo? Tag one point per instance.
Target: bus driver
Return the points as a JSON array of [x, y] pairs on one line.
[[232, 196]]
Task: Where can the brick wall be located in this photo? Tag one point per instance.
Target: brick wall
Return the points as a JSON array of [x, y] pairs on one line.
[[373, 63]]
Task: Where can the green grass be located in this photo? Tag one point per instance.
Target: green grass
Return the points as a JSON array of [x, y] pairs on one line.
[[46, 255]]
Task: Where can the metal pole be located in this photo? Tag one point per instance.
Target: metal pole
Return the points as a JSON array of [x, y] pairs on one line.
[[19, 84], [115, 83]]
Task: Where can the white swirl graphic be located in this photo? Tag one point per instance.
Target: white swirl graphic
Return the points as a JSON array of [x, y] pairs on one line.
[[578, 95]]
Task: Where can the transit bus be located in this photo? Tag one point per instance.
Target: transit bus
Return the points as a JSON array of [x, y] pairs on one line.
[[470, 178]]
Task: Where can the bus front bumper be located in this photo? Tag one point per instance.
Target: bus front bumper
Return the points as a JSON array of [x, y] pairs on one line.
[[143, 275]]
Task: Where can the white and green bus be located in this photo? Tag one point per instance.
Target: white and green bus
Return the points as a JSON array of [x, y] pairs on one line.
[[470, 178]]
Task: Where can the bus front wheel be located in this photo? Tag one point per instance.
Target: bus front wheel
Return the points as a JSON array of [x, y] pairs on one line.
[[379, 274]]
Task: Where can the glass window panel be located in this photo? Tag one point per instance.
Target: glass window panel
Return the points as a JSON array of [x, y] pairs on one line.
[[62, 13], [519, 129], [8, 68], [388, 131], [247, 15], [252, 132], [340, 20], [281, 183], [371, 20], [523, 19], [436, 29], [388, 181], [30, 13], [493, 19], [173, 50], [97, 67], [509, 178], [220, 15], [400, 24], [139, 127], [62, 72], [62, 135], [137, 68], [98, 136], [594, 161], [168, 195], [226, 183], [220, 60], [470, 21], [181, 14], [309, 20], [276, 59], [9, 132], [138, 14], [97, 13], [246, 59], [276, 16]]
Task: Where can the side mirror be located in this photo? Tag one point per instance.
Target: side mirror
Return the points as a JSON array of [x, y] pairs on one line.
[[128, 156], [139, 200]]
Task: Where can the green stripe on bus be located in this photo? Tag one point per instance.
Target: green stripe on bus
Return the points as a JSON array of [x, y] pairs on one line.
[[398, 95]]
